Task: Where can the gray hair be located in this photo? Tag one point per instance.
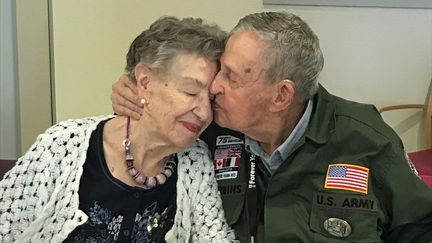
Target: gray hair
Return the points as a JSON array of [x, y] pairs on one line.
[[293, 52], [157, 46]]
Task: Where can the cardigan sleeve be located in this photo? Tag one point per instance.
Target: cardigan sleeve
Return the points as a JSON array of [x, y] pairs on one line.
[[208, 219], [39, 195], [199, 216], [25, 190]]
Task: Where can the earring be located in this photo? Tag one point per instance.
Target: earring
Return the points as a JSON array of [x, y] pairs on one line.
[[143, 101]]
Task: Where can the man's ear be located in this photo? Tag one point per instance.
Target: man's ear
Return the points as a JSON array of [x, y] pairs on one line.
[[142, 76], [283, 95]]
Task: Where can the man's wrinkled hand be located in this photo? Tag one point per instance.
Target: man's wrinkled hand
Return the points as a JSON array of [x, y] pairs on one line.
[[124, 98]]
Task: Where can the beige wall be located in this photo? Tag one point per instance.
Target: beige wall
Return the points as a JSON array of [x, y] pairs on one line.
[[91, 39], [33, 69], [373, 55]]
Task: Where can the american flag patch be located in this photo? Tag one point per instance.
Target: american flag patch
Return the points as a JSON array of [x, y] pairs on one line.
[[347, 177]]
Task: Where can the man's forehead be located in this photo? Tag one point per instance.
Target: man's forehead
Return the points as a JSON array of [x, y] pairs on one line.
[[243, 56]]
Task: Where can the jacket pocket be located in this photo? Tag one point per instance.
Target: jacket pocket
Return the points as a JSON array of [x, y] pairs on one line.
[[344, 223]]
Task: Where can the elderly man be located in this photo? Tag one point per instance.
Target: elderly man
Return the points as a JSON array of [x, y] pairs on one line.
[[293, 162]]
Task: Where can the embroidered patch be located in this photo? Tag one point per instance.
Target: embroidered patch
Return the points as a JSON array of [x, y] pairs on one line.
[[227, 157], [226, 162], [345, 201], [347, 177], [227, 140]]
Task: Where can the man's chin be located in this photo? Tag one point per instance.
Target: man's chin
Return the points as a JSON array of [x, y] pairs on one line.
[[223, 123]]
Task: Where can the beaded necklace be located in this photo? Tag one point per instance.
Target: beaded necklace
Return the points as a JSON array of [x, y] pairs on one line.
[[146, 182]]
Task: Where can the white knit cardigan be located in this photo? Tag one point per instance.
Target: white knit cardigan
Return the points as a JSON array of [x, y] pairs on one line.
[[39, 196]]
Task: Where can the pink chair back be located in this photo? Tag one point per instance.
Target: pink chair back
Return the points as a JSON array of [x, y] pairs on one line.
[[423, 163]]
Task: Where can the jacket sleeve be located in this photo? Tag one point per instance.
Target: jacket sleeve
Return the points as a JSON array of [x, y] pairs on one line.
[[405, 198], [208, 216], [24, 190]]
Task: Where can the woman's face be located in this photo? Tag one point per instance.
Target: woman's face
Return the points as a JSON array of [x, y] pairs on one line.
[[178, 101]]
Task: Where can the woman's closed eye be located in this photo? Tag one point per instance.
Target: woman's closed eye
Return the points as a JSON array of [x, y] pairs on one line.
[[191, 93], [191, 87]]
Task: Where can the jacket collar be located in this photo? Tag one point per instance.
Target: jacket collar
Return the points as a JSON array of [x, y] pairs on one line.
[[323, 120]]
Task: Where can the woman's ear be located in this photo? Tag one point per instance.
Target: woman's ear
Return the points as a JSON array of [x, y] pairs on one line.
[[283, 96], [142, 76]]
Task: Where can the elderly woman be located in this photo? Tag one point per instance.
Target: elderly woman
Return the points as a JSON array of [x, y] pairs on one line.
[[114, 179]]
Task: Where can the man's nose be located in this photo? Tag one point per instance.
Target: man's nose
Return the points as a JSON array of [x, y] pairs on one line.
[[216, 85]]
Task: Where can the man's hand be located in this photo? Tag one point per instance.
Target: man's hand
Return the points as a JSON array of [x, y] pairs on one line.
[[125, 100]]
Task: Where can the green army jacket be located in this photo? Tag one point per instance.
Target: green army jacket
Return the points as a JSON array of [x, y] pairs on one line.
[[312, 197]]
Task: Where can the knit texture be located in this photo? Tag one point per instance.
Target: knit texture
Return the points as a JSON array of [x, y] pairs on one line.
[[39, 199]]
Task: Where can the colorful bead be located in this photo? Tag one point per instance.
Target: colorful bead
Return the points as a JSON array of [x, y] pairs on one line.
[[146, 182]]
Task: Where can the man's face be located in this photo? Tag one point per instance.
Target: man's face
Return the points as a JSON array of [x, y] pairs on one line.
[[242, 92]]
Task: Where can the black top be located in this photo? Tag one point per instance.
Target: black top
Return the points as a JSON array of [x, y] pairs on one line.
[[118, 212]]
